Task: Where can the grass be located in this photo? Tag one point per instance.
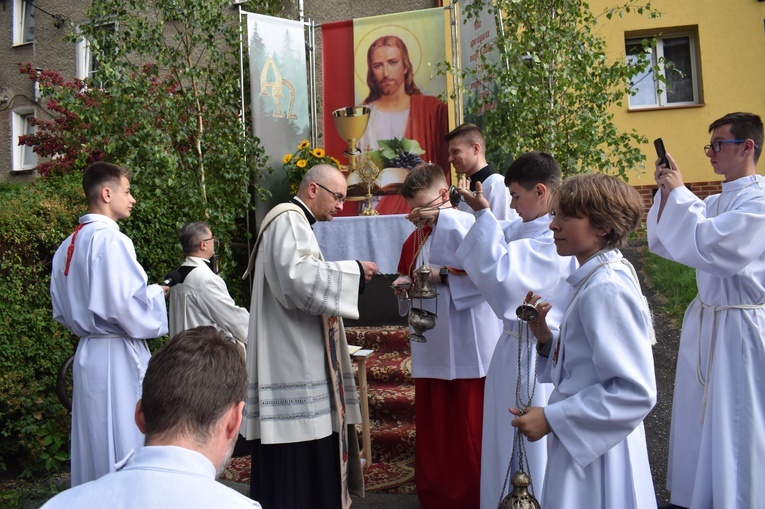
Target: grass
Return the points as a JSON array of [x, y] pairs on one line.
[[674, 283]]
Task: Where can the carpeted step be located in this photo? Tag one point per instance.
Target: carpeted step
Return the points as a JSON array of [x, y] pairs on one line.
[[390, 402], [392, 440], [391, 406], [380, 339]]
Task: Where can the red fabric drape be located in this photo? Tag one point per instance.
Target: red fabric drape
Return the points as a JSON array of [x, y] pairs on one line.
[[337, 81]]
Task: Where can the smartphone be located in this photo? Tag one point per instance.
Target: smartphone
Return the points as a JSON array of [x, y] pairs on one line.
[[660, 152]]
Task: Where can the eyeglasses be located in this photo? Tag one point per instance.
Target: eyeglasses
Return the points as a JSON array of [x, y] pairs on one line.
[[716, 146], [338, 197], [432, 203], [216, 242]]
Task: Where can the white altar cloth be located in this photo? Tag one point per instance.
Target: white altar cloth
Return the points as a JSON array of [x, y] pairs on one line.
[[371, 238]]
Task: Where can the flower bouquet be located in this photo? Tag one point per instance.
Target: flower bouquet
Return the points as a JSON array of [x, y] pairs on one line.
[[304, 158]]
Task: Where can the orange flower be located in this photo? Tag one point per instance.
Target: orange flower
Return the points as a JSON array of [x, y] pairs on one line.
[[287, 158], [304, 144], [318, 152], [301, 163]]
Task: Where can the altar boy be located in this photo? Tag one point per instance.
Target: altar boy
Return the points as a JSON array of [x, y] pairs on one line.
[[600, 362], [450, 368], [505, 259]]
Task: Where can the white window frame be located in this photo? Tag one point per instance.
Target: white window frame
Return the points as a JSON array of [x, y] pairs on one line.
[[24, 159], [84, 63], [23, 21], [85, 57], [660, 89]]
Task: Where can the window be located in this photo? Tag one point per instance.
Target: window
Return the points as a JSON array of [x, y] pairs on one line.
[[87, 62], [23, 21], [24, 158], [675, 55], [88, 56]]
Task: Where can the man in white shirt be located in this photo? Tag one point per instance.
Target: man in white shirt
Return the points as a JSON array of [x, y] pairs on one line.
[[201, 296], [191, 410]]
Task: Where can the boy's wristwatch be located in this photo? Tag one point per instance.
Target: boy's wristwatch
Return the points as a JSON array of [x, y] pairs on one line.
[[443, 273]]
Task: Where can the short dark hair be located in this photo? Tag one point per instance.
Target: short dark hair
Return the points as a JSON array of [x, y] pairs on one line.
[[744, 126], [534, 168], [192, 234], [422, 177], [607, 201], [469, 133], [99, 175], [191, 382]]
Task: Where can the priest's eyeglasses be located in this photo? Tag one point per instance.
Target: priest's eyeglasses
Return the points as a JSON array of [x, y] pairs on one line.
[[338, 197], [716, 146], [216, 242]]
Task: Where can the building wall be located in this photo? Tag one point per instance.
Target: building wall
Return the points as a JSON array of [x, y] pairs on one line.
[[731, 38], [48, 51]]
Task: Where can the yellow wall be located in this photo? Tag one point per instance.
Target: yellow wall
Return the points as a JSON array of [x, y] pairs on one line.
[[731, 44]]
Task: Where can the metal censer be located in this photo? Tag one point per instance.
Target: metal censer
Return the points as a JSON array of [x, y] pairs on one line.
[[420, 319]]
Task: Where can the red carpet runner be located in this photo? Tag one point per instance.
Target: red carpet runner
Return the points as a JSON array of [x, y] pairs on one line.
[[391, 409]]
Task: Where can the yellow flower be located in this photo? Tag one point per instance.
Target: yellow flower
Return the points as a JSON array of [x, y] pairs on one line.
[[304, 144], [318, 152], [301, 163], [287, 158], [335, 161]]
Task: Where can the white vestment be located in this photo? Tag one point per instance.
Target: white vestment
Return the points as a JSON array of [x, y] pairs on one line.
[[496, 193], [463, 340], [105, 302], [289, 397], [156, 477], [506, 260], [203, 299], [601, 365], [717, 437]]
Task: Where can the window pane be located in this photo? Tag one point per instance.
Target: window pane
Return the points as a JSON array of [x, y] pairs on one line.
[[678, 70], [28, 157], [643, 82], [28, 20]]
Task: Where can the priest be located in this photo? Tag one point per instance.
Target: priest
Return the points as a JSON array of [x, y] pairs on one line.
[[301, 396]]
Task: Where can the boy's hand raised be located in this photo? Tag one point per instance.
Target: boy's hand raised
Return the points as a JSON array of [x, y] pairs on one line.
[[540, 328], [475, 201]]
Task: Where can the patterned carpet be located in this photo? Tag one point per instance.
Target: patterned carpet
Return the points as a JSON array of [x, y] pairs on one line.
[[391, 409]]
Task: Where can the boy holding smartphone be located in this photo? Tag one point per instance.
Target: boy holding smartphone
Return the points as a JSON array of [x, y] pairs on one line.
[[717, 442]]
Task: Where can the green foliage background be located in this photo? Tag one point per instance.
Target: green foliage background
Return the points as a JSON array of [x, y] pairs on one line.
[[33, 221], [554, 86]]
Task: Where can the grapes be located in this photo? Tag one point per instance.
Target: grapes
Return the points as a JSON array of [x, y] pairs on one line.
[[405, 160]]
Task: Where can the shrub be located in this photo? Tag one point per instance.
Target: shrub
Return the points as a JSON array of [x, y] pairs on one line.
[[34, 220]]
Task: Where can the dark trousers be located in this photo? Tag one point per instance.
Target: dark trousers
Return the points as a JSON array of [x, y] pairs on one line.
[[297, 475]]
